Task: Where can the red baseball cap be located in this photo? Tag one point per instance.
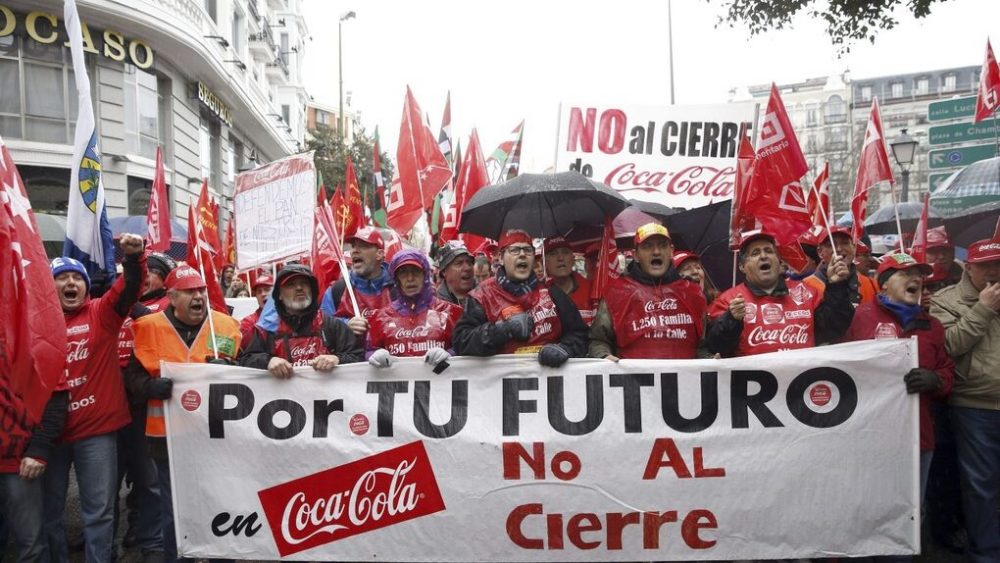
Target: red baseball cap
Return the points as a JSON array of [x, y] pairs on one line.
[[556, 242], [901, 261], [184, 277], [514, 236], [937, 238], [986, 250], [746, 237], [369, 235], [939, 274], [684, 256], [649, 230], [263, 280]]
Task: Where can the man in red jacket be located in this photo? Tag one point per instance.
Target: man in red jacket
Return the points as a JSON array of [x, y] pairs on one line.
[[559, 261], [897, 313], [262, 287], [97, 404], [767, 312]]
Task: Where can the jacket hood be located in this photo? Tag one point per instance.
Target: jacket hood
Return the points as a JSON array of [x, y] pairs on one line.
[[305, 316], [421, 300]]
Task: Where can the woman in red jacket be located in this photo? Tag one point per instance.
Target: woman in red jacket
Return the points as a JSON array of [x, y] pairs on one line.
[[896, 313]]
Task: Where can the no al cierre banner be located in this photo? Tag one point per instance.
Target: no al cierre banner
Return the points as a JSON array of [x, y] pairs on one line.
[[796, 454]]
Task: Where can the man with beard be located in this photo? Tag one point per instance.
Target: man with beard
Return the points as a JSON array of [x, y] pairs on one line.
[[941, 255], [970, 313], [559, 261], [262, 286], [767, 312], [370, 279], [97, 404], [512, 313], [416, 323], [305, 336], [179, 333], [651, 311], [861, 288], [455, 266]]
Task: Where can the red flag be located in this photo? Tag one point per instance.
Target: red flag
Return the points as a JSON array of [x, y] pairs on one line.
[[989, 86], [919, 249], [349, 214], [32, 325], [873, 167], [607, 262], [229, 249], [320, 189], [326, 252], [200, 258], [819, 204], [217, 241], [158, 230], [423, 170], [472, 177], [739, 221], [776, 198], [444, 137]]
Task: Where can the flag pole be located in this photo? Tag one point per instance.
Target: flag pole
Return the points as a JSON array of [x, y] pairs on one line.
[[895, 207], [829, 231], [350, 289], [208, 300]]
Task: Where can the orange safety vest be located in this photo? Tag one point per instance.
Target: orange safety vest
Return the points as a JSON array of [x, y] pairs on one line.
[[157, 340], [867, 288]]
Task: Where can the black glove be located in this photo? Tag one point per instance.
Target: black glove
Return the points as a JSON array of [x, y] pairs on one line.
[[552, 355], [921, 380], [160, 388], [517, 327], [220, 361]]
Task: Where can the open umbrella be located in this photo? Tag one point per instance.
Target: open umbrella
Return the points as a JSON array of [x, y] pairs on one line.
[[544, 205], [657, 210], [883, 220], [625, 224], [52, 230], [705, 231], [976, 223], [973, 185], [136, 224]]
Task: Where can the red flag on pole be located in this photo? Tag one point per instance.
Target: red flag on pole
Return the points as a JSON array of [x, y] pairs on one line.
[[350, 216], [32, 325], [200, 258], [739, 221], [607, 261], [919, 249], [873, 167], [423, 170], [158, 229], [326, 252], [988, 96], [472, 177], [229, 249]]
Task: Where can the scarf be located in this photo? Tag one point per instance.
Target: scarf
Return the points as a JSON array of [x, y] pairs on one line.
[[905, 313]]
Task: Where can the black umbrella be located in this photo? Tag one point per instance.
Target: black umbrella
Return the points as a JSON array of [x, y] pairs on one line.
[[883, 220], [973, 224], [705, 231], [657, 210], [544, 205]]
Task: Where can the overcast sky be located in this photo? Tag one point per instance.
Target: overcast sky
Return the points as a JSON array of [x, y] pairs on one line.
[[517, 59]]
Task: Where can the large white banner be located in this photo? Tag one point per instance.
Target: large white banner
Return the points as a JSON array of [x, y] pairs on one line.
[[810, 453], [680, 156], [274, 211]]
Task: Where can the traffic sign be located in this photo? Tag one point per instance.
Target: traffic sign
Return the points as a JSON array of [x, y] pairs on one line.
[[955, 108], [935, 180], [960, 156], [961, 132]]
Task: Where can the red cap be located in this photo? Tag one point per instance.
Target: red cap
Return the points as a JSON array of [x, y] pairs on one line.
[[900, 261], [937, 238], [939, 274], [408, 262], [556, 242], [648, 230], [369, 235], [683, 256], [184, 277], [263, 280], [837, 230], [862, 248], [514, 236], [746, 237], [986, 250]]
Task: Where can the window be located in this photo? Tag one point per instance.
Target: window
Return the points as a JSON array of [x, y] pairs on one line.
[[139, 191], [812, 115], [284, 49], [209, 6], [210, 150], [923, 85], [866, 93], [236, 38], [236, 160], [38, 99], [949, 83], [142, 111], [897, 89], [835, 110], [811, 142], [286, 114]]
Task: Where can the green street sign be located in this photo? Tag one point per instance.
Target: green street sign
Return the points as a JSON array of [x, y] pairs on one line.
[[935, 180], [961, 132], [951, 109], [960, 156], [950, 205]]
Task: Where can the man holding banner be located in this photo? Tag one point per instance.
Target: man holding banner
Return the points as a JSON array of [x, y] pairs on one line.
[[369, 277]]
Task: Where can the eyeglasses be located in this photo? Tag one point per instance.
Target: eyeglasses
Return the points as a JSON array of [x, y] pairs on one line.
[[520, 250]]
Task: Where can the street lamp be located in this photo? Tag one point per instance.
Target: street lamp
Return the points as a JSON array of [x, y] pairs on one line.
[[903, 148], [340, 68]]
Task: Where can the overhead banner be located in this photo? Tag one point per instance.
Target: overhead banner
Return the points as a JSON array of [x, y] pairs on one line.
[[679, 156], [273, 214], [808, 453]]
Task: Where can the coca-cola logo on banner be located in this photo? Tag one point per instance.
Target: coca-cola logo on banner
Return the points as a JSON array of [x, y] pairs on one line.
[[422, 331], [368, 494], [667, 304], [790, 335]]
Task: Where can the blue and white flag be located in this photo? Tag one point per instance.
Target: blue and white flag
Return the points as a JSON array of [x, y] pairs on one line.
[[88, 234]]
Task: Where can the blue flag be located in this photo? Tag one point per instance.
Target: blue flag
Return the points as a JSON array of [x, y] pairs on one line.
[[88, 234]]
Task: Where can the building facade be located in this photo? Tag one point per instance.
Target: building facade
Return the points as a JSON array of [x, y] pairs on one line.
[[318, 114], [206, 80]]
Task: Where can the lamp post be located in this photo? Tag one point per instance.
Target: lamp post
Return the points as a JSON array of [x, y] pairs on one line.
[[903, 148], [340, 68]]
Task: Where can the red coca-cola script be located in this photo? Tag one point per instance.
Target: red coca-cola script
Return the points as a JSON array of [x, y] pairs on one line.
[[371, 493]]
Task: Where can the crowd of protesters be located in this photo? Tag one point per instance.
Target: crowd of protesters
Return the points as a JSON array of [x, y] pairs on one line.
[[507, 298]]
